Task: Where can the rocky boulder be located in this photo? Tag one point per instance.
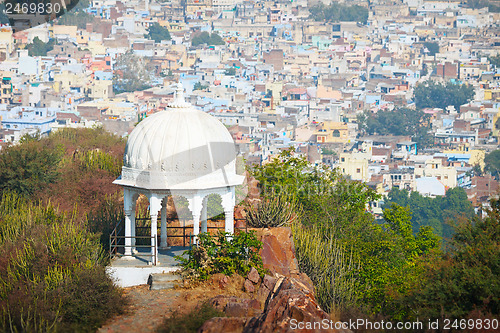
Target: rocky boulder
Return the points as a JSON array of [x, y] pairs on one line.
[[226, 325], [233, 306], [290, 302], [278, 250]]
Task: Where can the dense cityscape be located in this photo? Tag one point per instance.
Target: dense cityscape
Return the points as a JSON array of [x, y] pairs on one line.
[[237, 165], [279, 74]]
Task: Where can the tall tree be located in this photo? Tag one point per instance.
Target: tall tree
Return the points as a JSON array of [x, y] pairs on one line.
[[28, 167], [158, 33], [431, 94], [434, 212], [336, 12], [492, 163], [465, 283], [206, 38], [39, 48], [131, 74], [402, 121], [433, 47]]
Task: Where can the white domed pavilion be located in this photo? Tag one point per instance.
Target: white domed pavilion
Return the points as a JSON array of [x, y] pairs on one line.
[[184, 152]]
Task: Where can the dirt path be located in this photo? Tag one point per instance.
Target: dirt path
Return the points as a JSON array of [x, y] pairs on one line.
[[148, 308]]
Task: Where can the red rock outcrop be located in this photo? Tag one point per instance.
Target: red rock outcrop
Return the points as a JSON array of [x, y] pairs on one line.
[[290, 303], [287, 295], [224, 324], [278, 250]]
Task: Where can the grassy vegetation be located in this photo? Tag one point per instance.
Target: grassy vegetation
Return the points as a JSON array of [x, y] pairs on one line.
[[52, 273], [330, 264], [56, 211], [273, 211], [362, 268], [189, 322]]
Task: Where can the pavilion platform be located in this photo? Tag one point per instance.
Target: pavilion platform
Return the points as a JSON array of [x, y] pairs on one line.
[[128, 271]]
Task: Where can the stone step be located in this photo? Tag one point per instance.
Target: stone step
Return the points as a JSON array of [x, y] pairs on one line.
[[158, 281]]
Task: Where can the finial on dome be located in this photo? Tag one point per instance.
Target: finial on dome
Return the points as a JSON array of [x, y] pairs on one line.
[[179, 101], [179, 92]]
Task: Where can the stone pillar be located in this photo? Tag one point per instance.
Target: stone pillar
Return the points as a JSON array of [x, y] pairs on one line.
[[127, 208], [132, 229], [228, 205], [154, 228], [128, 232], [154, 207], [195, 205], [229, 221], [163, 244], [204, 221], [196, 227]]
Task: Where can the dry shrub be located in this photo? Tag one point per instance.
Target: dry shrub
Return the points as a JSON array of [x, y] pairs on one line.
[[189, 322], [52, 272]]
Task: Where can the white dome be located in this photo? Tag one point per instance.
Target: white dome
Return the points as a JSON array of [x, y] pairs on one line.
[[180, 148]]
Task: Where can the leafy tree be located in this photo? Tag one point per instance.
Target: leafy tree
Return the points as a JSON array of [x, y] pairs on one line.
[[328, 199], [396, 266], [39, 48], [492, 163], [433, 47], [28, 167], [398, 220], [433, 212], [492, 8], [465, 283], [431, 94], [199, 86], [92, 158], [336, 12], [216, 39], [401, 121], [3, 18], [230, 71], [157, 33], [370, 263], [131, 74], [495, 60], [206, 38], [77, 17]]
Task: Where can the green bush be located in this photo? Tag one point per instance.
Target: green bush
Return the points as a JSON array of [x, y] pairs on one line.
[[336, 12], [28, 167], [206, 38], [356, 263], [222, 253], [52, 272], [189, 322], [98, 160], [158, 33], [465, 280], [329, 265], [272, 211]]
